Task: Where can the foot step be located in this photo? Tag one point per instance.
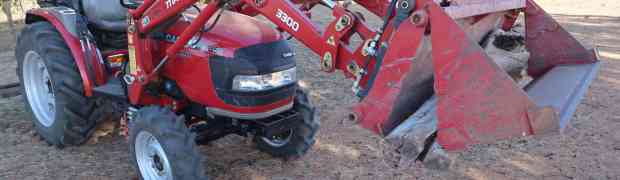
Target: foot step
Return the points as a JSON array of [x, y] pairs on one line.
[[113, 89]]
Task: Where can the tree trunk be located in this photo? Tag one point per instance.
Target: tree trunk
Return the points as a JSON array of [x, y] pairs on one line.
[[6, 8]]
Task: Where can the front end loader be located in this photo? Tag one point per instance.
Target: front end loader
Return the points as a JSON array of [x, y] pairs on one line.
[[435, 77], [475, 100]]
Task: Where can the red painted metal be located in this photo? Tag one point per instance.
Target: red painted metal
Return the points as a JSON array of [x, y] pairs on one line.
[[388, 79], [192, 73], [239, 31], [377, 7], [99, 70], [510, 19], [549, 44], [477, 101], [188, 66], [309, 35], [72, 42], [138, 12], [333, 38], [375, 110], [157, 12], [196, 25]]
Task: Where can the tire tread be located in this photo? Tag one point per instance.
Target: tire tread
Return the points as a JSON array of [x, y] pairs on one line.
[[78, 110]]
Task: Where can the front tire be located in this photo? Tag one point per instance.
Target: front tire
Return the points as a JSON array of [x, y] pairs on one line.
[[298, 140], [162, 147], [52, 87]]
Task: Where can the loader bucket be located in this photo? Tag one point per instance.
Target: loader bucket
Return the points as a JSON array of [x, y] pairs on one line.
[[562, 88], [475, 101]]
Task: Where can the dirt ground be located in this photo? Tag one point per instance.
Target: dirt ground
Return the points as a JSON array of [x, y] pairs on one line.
[[588, 149]]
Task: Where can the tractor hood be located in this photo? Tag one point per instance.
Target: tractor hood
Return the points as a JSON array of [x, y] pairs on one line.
[[236, 45], [231, 32]]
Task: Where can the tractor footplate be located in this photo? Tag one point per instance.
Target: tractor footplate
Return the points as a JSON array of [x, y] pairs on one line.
[[113, 89]]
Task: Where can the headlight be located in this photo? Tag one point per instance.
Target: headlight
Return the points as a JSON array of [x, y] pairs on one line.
[[264, 82]]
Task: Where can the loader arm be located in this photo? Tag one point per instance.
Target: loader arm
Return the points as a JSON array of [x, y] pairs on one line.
[[426, 50]]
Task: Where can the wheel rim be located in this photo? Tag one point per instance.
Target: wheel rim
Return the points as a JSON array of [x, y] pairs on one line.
[[279, 140], [39, 88], [151, 157]]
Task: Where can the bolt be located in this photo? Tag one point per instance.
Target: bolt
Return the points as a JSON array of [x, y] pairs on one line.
[[419, 18], [404, 4], [327, 61], [343, 22], [416, 18], [146, 20], [353, 68]]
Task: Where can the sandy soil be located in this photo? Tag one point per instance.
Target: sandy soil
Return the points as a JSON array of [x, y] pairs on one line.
[[588, 149]]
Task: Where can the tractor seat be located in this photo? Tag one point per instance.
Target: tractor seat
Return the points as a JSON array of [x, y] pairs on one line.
[[107, 15]]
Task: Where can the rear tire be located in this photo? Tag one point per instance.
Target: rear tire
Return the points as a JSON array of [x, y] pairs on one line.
[[162, 147], [50, 77], [296, 142]]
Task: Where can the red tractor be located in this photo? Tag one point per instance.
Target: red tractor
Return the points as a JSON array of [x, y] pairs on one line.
[[180, 74]]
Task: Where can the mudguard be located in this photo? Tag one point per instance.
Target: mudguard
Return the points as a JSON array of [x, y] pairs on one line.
[[64, 19]]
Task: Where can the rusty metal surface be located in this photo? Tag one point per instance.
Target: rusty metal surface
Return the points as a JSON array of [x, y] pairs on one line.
[[549, 43], [389, 107], [478, 101]]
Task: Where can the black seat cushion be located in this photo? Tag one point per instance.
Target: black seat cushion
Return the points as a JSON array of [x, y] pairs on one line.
[[108, 15]]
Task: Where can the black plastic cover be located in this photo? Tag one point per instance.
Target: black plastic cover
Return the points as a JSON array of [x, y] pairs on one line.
[[257, 59]]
